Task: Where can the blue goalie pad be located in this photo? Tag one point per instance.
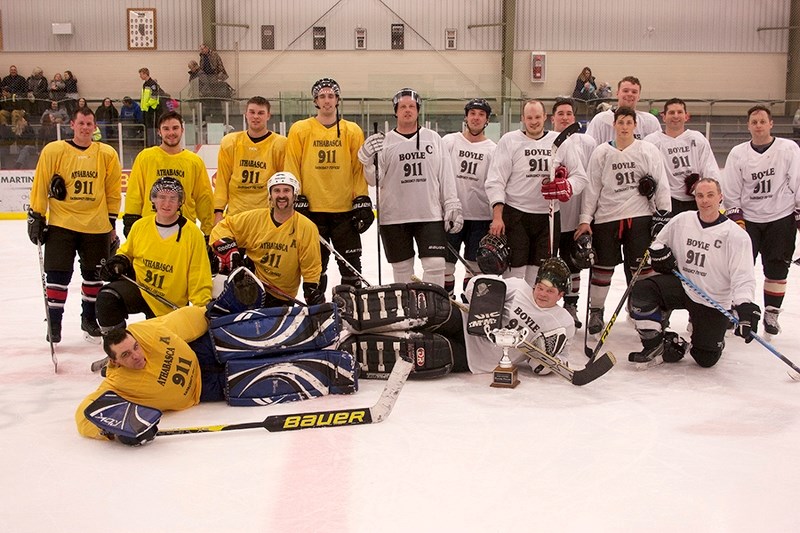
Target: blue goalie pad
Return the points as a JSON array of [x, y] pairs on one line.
[[117, 416], [274, 331], [291, 378]]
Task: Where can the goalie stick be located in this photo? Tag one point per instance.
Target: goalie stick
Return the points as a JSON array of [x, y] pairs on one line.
[[461, 259], [150, 292], [593, 369], [563, 136], [53, 356], [345, 262], [319, 419]]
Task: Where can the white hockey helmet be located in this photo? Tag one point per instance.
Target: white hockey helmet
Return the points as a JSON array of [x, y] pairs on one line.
[[284, 178]]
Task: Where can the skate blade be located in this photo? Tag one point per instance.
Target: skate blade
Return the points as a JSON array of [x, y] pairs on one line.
[[658, 360], [92, 340]]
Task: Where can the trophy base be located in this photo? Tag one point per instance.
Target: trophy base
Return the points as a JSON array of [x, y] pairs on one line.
[[505, 378]]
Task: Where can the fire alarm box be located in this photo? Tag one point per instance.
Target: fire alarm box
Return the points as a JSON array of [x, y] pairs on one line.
[[538, 66]]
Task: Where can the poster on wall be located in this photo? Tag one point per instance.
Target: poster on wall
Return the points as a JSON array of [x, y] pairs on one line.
[[141, 29]]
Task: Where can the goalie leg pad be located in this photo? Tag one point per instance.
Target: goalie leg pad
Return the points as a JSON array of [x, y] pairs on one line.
[[290, 378], [274, 331], [395, 307], [376, 353]]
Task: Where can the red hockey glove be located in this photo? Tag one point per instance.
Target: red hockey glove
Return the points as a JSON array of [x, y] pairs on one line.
[[560, 188]]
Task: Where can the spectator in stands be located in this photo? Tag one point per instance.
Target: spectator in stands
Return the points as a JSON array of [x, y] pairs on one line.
[[585, 85], [57, 86], [106, 114], [26, 140], [38, 92], [81, 103], [71, 90], [9, 101], [211, 63], [7, 139], [194, 70], [130, 114], [17, 85], [47, 132], [56, 113]]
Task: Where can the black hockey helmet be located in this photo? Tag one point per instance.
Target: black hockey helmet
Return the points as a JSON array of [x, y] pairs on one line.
[[493, 254], [478, 103], [583, 253], [323, 83], [406, 92], [167, 183], [555, 272]]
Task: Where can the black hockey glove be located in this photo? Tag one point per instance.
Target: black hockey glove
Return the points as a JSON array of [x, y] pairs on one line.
[[58, 188], [139, 440], [749, 314], [313, 294], [363, 216], [662, 260], [659, 220], [37, 227], [113, 268], [301, 205], [647, 186], [226, 255], [689, 182], [127, 223]]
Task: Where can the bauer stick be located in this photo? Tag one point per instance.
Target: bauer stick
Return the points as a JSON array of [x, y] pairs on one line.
[[551, 213], [461, 258], [53, 356], [704, 295], [346, 263], [150, 292], [319, 419], [377, 206]]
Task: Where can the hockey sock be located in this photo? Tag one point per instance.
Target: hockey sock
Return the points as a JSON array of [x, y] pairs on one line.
[[774, 291], [403, 270], [601, 282], [575, 278], [57, 284], [450, 278], [530, 274], [89, 290], [433, 270]]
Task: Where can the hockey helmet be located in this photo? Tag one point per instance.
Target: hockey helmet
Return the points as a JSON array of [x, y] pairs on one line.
[[493, 254], [284, 178], [406, 92], [582, 253], [323, 83], [478, 103], [554, 272], [167, 183]]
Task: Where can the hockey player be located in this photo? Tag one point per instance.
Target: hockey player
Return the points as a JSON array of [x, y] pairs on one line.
[[246, 161], [562, 117], [282, 244], [626, 202], [165, 253], [169, 159], [519, 197], [762, 194], [77, 185], [712, 252], [322, 151], [418, 199], [628, 93], [686, 153], [471, 154]]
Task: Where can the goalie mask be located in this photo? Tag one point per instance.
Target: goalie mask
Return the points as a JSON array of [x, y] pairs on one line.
[[554, 272], [493, 254], [167, 183], [583, 253]]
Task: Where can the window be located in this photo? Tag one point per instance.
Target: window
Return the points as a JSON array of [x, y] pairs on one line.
[[450, 39], [268, 37], [319, 37], [361, 38], [398, 40]]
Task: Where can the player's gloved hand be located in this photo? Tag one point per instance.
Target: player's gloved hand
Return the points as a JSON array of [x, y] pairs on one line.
[[659, 220], [113, 268], [139, 440], [647, 186], [227, 254], [363, 216], [313, 294], [559, 188], [301, 205], [689, 182], [662, 260], [453, 220], [735, 214], [37, 227], [127, 222], [749, 314], [372, 145]]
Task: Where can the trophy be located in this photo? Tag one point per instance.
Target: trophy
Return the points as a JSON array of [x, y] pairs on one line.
[[505, 374]]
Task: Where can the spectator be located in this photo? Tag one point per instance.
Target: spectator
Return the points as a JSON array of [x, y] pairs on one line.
[[38, 92], [211, 63], [194, 70], [7, 138], [585, 85], [107, 114], [130, 114], [17, 85], [71, 90], [10, 102], [56, 114], [57, 86], [47, 131], [26, 140], [81, 103]]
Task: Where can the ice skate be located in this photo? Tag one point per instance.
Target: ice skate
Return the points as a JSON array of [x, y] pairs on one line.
[[91, 331], [54, 335], [596, 322], [572, 309], [771, 326], [648, 357]]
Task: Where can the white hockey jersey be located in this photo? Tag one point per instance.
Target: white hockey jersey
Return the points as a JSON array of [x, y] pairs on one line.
[[415, 178], [766, 187], [717, 258], [612, 193], [519, 166], [471, 165], [602, 126], [519, 311], [584, 145], [688, 153]]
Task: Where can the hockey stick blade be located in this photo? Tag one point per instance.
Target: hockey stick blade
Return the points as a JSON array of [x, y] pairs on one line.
[[320, 419], [592, 370], [98, 365]]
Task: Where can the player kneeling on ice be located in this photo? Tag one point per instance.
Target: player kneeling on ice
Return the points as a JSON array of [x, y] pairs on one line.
[[714, 253]]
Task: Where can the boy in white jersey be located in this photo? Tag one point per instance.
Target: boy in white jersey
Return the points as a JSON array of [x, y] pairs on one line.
[[712, 252], [471, 154], [629, 91], [418, 199], [762, 193], [687, 154]]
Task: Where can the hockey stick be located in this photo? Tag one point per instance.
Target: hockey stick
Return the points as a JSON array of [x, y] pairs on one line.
[[592, 354], [377, 205], [345, 262], [704, 295], [797, 261], [460, 258], [319, 419], [53, 356], [586, 349], [551, 213], [593, 369], [277, 291], [150, 292]]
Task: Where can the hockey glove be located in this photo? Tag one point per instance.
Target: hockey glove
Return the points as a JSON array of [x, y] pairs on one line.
[[58, 188], [647, 186], [127, 222], [453, 221], [227, 255], [559, 188], [301, 205], [689, 183], [363, 216], [749, 314], [37, 227], [372, 145], [115, 267], [735, 214], [662, 260], [659, 220], [313, 294]]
